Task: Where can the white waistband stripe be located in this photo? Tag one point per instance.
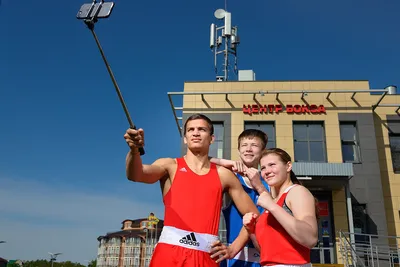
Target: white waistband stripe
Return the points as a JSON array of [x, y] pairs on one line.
[[192, 240]]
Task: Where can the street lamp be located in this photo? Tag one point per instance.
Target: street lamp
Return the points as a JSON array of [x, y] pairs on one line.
[[53, 257]]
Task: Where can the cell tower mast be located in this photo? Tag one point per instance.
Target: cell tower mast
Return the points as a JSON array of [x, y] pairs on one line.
[[224, 40]]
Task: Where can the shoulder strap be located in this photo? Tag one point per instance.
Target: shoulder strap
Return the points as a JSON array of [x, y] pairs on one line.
[[241, 180], [213, 166], [180, 162], [283, 197], [290, 187]]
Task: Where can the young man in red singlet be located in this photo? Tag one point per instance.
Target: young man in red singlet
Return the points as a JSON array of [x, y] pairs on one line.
[[192, 189], [287, 229]]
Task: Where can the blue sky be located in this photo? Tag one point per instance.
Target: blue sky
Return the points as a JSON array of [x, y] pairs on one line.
[[62, 152]]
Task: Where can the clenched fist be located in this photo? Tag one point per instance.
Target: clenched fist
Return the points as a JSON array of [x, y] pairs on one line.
[[238, 167], [249, 222], [134, 138], [255, 179]]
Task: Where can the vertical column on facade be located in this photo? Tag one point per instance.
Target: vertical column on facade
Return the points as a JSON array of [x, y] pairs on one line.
[[121, 255], [350, 220], [340, 220]]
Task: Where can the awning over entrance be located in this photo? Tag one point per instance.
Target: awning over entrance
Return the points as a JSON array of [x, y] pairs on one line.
[[323, 176], [323, 169]]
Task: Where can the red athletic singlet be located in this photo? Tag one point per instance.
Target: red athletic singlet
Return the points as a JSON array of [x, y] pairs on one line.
[[193, 203], [276, 245]]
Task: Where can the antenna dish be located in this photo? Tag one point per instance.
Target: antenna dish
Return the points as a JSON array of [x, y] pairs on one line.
[[219, 13]]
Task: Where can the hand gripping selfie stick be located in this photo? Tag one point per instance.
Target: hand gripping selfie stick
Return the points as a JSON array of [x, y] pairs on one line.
[[90, 13]]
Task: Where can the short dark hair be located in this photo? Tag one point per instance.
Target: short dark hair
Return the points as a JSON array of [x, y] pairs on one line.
[[250, 133], [199, 116]]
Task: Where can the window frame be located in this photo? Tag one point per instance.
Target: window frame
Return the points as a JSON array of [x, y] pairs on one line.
[[397, 136], [355, 142], [308, 141], [259, 127], [217, 141]]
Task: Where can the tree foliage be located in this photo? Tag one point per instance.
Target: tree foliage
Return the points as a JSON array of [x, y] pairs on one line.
[[92, 263], [47, 263]]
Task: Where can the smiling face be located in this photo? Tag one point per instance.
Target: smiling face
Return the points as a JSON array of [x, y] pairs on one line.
[[198, 135], [250, 150], [274, 170]]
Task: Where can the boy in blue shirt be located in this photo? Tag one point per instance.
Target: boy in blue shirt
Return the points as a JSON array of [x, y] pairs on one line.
[[251, 143]]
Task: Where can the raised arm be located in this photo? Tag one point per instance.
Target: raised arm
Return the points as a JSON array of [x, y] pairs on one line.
[[149, 174], [249, 223], [235, 166], [137, 171], [222, 162]]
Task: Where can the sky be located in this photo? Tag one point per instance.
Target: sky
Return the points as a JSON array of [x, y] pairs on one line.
[[62, 151]]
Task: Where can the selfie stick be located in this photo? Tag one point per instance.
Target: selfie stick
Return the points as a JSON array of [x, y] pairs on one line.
[[90, 23]]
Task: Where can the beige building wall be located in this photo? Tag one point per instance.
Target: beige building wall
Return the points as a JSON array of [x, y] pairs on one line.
[[340, 218], [336, 103]]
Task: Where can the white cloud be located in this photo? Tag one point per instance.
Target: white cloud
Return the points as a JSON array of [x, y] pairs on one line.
[[37, 219]]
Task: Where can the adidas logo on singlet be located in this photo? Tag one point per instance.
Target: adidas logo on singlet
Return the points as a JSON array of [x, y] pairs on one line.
[[189, 240]]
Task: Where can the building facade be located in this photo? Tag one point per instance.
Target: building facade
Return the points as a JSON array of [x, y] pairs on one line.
[[132, 246], [343, 136]]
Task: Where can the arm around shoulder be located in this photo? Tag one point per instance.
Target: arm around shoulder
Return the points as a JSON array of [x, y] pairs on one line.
[[222, 162], [136, 171]]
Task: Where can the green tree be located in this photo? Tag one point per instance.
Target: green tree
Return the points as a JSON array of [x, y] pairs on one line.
[[12, 264], [92, 263], [47, 263]]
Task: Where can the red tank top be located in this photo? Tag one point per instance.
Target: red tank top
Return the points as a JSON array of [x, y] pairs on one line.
[[276, 245], [193, 203]]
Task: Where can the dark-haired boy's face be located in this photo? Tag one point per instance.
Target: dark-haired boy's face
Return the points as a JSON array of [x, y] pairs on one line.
[[250, 150], [198, 134]]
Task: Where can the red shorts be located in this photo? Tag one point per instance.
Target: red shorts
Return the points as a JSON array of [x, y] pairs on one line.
[[166, 255]]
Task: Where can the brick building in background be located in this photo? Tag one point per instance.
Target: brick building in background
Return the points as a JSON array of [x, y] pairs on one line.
[[132, 246]]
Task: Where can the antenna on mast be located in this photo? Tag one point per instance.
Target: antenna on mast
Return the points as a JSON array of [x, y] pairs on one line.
[[224, 40]]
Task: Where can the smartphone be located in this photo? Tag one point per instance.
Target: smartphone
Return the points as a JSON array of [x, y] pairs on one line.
[[88, 11]]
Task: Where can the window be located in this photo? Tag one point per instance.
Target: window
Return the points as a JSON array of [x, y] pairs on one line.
[[128, 261], [137, 241], [350, 144], [136, 262], [309, 141], [149, 251], [136, 251], [394, 140], [217, 148], [267, 127]]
